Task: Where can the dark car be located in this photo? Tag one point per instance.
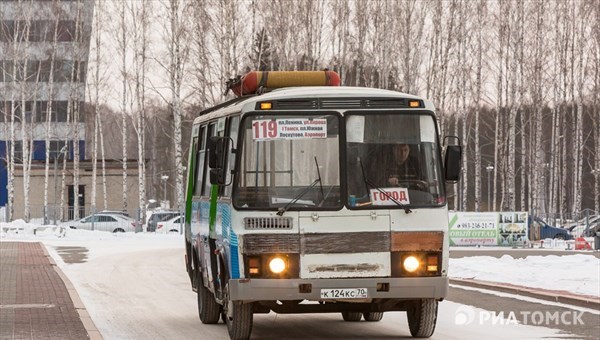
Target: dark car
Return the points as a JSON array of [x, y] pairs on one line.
[[546, 230], [159, 216]]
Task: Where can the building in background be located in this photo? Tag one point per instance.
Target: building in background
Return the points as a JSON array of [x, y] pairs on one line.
[[44, 48]]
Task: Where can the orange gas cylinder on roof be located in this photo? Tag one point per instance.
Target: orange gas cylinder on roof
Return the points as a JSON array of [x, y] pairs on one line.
[[253, 81]]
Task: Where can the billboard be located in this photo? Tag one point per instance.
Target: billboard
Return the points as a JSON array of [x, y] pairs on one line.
[[512, 228], [487, 228]]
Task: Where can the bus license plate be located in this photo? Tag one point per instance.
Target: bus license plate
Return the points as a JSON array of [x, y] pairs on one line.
[[354, 293]]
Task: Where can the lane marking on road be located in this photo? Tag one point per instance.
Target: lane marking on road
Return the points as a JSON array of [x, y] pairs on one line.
[[27, 305]]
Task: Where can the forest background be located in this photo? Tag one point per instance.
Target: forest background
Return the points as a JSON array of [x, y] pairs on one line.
[[518, 81]]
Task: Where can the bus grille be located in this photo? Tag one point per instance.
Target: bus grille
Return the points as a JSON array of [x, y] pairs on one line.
[[270, 223], [385, 103], [341, 103]]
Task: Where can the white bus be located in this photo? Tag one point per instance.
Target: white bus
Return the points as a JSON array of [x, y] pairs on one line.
[[295, 203]]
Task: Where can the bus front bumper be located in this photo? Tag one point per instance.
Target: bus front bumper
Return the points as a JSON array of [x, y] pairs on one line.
[[298, 289]]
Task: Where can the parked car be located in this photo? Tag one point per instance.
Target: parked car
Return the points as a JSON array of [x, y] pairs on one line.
[[159, 216], [546, 230], [104, 222], [170, 226], [586, 227], [114, 212]]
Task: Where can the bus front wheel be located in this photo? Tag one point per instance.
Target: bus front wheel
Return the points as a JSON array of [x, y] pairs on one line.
[[208, 308], [238, 317], [422, 316], [352, 316], [373, 316]]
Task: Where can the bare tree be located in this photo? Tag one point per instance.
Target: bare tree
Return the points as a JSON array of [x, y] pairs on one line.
[[122, 33], [53, 50], [140, 13], [481, 22], [596, 104], [177, 35], [26, 116]]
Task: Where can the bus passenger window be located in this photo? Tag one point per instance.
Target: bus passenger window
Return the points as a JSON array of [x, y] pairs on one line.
[[200, 158]]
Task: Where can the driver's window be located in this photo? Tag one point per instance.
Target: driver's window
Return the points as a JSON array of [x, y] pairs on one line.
[[212, 131]]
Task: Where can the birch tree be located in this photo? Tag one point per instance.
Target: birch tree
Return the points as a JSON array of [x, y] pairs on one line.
[[480, 22], [26, 115], [580, 59], [49, 106], [122, 33], [340, 32], [75, 100], [176, 38], [96, 83], [140, 12], [596, 105]]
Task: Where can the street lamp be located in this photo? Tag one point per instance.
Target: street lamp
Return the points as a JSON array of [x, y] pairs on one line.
[[164, 178], [62, 151], [489, 170]]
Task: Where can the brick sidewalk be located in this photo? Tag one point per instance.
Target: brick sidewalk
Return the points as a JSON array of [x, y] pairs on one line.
[[34, 301]]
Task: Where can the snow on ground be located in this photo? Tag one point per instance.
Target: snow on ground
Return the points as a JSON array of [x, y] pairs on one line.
[[577, 273], [98, 243]]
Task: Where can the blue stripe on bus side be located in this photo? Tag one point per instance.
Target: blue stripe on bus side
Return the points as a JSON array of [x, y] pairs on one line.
[[235, 262], [228, 233]]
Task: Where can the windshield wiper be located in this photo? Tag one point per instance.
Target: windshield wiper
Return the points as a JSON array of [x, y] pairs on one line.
[[385, 194], [303, 192], [280, 211], [320, 181]]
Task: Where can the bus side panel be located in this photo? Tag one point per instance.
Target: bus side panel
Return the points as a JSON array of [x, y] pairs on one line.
[[200, 231], [229, 237]]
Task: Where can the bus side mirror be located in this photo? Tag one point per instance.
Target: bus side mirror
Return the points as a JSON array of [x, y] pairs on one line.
[[452, 157], [217, 157]]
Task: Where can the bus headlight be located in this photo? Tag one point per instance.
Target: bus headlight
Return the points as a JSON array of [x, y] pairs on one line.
[[411, 264], [277, 265]]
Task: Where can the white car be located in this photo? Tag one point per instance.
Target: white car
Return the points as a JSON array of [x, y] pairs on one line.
[[104, 222], [172, 225], [586, 227]]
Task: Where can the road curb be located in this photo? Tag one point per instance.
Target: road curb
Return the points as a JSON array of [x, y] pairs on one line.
[[87, 321], [543, 294]]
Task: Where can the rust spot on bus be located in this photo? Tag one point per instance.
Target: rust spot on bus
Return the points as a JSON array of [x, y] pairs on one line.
[[359, 267]]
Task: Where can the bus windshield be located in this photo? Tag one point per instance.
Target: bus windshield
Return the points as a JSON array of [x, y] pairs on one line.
[[289, 162], [392, 159]]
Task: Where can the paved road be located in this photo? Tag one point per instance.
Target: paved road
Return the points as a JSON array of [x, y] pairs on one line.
[[590, 329], [147, 294]]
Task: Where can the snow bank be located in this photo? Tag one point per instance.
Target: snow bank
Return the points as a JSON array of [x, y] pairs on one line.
[[578, 273]]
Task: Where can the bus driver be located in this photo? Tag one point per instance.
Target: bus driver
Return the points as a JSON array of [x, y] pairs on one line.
[[401, 166]]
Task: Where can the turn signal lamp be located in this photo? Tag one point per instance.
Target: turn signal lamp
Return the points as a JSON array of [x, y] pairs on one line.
[[432, 263], [414, 103], [266, 106], [277, 265], [254, 265], [411, 264]]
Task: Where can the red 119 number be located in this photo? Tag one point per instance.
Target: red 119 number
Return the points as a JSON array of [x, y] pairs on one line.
[[264, 129]]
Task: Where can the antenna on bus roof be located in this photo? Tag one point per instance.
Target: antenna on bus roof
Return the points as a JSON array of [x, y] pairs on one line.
[[232, 82]]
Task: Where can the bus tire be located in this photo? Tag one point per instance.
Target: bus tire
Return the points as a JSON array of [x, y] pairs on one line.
[[239, 320], [422, 317], [352, 316], [209, 310], [373, 316]]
